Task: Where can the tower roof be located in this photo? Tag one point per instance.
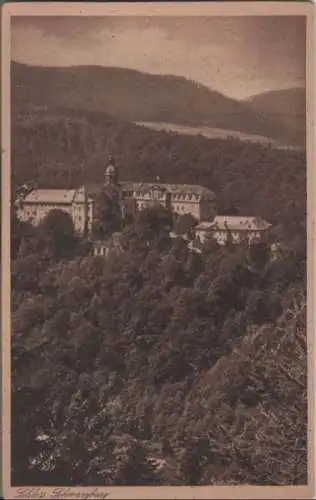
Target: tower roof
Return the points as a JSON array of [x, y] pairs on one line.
[[110, 170]]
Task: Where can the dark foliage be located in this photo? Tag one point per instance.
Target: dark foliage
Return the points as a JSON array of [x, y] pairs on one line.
[[107, 217], [157, 365]]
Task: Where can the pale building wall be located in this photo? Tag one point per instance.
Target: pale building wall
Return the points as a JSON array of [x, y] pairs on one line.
[[202, 209], [36, 212], [79, 214], [221, 236], [101, 250], [183, 207], [147, 201]]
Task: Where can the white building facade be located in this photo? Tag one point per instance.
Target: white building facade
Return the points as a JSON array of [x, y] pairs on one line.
[[235, 229]]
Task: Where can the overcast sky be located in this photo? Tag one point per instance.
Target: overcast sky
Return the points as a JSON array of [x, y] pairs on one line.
[[238, 56]]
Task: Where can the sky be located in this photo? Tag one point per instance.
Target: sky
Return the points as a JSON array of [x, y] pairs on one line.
[[238, 56]]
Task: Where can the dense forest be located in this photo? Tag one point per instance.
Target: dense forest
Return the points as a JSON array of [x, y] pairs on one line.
[[158, 365]]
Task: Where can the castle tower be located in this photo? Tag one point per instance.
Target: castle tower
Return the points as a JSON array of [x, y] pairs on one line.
[[110, 176]]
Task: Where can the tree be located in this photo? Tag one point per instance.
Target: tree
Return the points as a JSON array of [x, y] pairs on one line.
[[133, 467], [59, 233], [108, 213], [259, 253], [151, 226], [184, 225]]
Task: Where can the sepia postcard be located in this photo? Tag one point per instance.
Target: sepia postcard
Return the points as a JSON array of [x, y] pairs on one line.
[[157, 250]]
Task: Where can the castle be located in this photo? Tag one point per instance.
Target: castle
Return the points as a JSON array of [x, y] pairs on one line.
[[133, 197], [80, 203]]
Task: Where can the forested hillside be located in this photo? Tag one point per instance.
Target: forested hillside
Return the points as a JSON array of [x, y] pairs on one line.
[[140, 97], [64, 148], [157, 365]]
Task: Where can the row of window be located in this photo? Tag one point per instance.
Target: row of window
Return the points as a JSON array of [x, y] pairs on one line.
[[41, 212], [185, 197], [236, 234], [149, 195], [181, 208], [33, 213], [128, 193], [178, 208], [100, 251]]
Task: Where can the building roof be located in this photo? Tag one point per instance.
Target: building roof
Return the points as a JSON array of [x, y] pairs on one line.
[[234, 223], [77, 195], [184, 189], [80, 194], [55, 196]]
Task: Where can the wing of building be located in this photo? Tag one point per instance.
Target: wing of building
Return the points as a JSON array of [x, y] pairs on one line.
[[237, 228], [39, 202]]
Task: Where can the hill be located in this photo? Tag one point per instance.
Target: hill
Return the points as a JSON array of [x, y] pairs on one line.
[[287, 107], [187, 368], [285, 102], [135, 96], [157, 366]]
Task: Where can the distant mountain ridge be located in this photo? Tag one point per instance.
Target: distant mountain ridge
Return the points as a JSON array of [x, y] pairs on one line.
[[285, 106], [280, 102], [139, 97]]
